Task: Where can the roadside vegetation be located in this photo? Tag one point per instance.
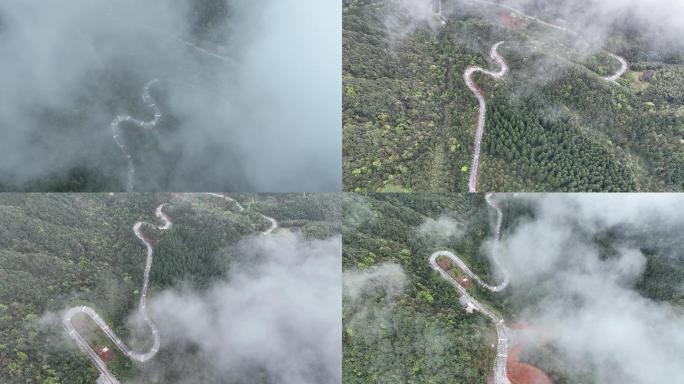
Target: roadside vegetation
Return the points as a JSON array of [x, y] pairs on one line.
[[409, 118], [410, 326], [58, 251]]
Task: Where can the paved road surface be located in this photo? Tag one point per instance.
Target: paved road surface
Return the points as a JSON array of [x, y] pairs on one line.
[[148, 125], [479, 130], [274, 223], [622, 61], [503, 332], [147, 99], [106, 377], [623, 68]]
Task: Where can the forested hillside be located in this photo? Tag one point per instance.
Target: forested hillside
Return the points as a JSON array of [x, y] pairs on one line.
[[58, 251], [413, 330], [553, 123], [403, 323]]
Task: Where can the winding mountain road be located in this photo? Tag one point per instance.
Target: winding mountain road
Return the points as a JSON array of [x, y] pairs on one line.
[[502, 331], [274, 223], [623, 68], [479, 130], [147, 99], [147, 125], [623, 63], [106, 377]]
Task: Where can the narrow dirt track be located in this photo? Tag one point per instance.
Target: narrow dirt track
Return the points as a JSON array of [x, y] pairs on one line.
[[106, 377], [479, 129], [502, 331]]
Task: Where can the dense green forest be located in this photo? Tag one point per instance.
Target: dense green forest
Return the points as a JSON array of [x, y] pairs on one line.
[[421, 335], [58, 251], [553, 124], [419, 332]]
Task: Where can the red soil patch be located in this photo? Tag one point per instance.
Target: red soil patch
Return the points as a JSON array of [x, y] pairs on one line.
[[105, 353], [509, 21], [521, 373]]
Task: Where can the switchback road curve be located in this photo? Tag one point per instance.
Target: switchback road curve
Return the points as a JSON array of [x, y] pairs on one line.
[[147, 125], [274, 223], [623, 63], [502, 331], [479, 130], [106, 377], [147, 99], [623, 68]]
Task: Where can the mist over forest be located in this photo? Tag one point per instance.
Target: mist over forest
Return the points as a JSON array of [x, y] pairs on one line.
[[235, 298], [594, 292], [248, 96], [590, 99]]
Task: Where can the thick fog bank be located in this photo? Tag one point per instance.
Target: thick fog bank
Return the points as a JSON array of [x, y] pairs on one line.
[[249, 93], [276, 318], [582, 288]]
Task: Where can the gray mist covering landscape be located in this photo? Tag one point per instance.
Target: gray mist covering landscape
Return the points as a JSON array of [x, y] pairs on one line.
[[248, 92], [593, 19], [591, 300]]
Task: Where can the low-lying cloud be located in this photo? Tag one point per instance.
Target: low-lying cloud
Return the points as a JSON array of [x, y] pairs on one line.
[[250, 93], [370, 298], [278, 312], [588, 301], [661, 22], [442, 228], [389, 278]]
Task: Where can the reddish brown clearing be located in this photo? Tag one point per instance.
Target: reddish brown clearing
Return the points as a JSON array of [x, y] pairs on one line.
[[521, 373], [105, 353]]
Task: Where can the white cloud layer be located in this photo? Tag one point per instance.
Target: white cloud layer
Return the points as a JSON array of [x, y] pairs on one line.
[[278, 312], [588, 302]]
